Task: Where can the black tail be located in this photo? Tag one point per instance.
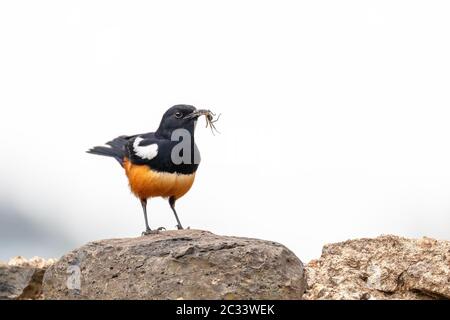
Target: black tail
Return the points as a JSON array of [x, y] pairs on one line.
[[117, 149]]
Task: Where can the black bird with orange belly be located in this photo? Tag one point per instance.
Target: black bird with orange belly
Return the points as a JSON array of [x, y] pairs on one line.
[[152, 160]]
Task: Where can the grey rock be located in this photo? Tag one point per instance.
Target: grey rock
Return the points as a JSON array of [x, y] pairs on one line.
[[185, 264], [20, 282]]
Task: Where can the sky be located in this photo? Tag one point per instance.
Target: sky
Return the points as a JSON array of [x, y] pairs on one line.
[[335, 118]]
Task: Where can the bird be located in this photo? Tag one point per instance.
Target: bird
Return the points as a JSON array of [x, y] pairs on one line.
[[161, 163]]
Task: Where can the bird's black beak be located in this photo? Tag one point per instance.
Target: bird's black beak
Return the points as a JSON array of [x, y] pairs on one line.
[[197, 113]]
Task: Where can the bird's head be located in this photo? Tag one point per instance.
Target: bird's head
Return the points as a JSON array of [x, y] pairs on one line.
[[180, 116]]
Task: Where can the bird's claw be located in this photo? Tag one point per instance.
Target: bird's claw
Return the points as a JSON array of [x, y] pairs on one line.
[[150, 232]]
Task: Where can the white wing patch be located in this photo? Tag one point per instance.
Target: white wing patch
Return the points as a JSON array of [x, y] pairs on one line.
[[145, 152]]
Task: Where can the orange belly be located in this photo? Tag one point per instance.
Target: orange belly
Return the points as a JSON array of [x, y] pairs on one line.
[[146, 183]]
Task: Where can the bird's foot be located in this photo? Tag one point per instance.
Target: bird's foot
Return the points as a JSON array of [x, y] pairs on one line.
[[179, 227], [150, 232]]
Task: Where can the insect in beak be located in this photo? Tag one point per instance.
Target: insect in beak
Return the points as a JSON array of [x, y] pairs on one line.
[[210, 118]]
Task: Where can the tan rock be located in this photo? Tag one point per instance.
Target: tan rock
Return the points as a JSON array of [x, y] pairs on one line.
[[186, 264], [387, 267]]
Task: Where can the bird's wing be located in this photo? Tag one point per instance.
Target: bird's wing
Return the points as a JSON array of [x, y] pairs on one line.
[[141, 149], [147, 149]]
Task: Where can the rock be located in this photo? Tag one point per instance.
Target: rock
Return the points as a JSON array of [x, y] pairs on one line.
[[185, 264], [35, 262], [22, 279], [387, 267]]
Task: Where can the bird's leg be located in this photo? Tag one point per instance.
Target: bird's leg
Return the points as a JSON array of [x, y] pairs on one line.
[[144, 208], [147, 228], [172, 205]]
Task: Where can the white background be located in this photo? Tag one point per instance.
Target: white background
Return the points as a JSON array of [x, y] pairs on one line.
[[335, 117]]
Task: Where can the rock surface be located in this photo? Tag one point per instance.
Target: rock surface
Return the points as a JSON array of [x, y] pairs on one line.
[[194, 264], [187, 264], [387, 267], [22, 279]]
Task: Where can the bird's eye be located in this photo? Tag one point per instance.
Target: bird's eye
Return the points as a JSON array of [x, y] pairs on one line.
[[178, 115]]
